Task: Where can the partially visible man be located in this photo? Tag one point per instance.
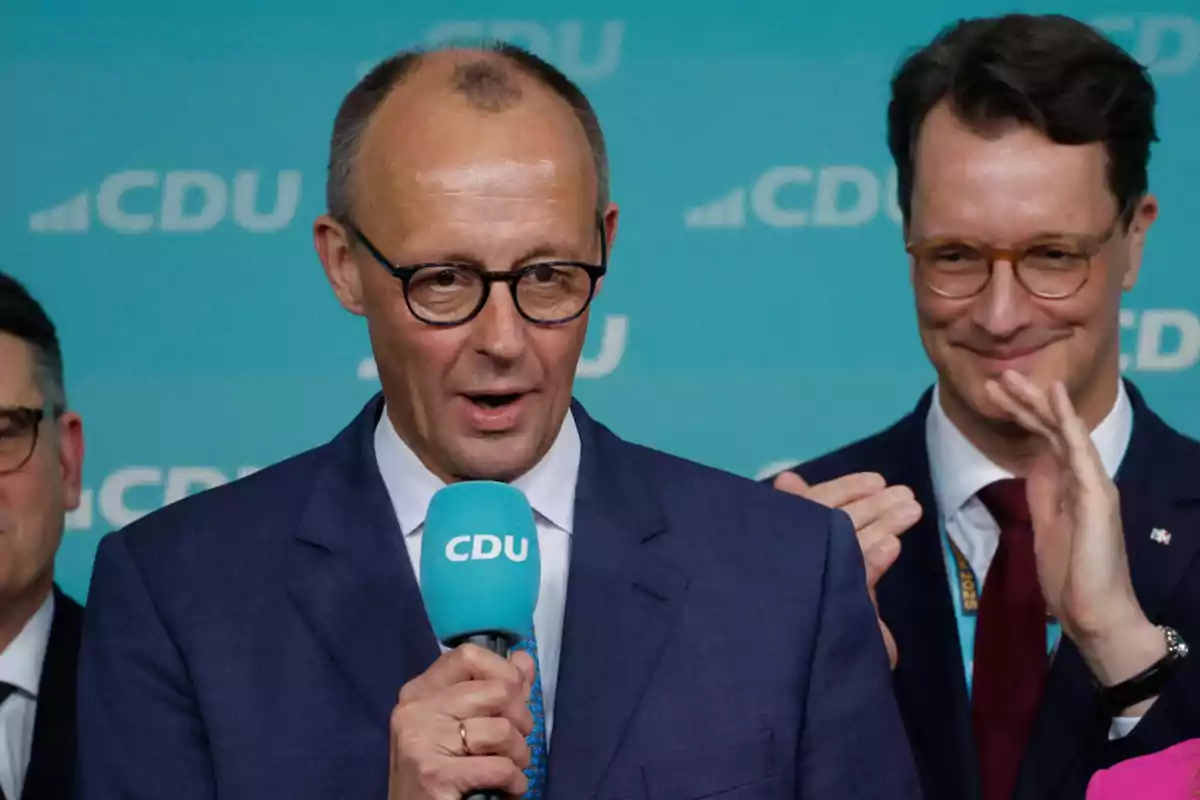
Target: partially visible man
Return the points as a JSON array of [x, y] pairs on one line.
[[697, 634], [41, 462], [1024, 664]]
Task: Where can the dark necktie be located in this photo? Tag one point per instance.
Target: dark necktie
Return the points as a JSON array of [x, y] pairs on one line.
[[1010, 644], [6, 689]]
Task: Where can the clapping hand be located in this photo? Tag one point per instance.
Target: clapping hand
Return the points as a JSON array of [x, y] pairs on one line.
[[1079, 541]]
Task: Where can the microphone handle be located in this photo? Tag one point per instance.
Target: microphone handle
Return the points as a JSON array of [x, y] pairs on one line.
[[500, 644]]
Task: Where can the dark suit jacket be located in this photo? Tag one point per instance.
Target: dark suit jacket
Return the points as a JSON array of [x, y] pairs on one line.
[[1159, 481], [251, 641], [52, 760]]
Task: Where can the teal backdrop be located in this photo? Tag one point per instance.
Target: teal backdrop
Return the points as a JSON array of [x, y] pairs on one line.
[[163, 163]]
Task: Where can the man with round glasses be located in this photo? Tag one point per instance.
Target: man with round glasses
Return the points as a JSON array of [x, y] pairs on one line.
[[268, 639], [544, 292], [1037, 613], [41, 462]]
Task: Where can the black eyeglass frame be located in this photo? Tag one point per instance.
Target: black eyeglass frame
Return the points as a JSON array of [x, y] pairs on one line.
[[405, 274], [32, 418]]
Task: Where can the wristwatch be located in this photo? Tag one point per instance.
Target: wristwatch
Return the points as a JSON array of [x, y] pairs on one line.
[[1150, 681]]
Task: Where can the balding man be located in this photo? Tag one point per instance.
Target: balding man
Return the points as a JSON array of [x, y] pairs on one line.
[[268, 639]]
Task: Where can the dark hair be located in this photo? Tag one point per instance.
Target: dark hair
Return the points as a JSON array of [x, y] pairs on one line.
[[485, 83], [1051, 72], [23, 317]]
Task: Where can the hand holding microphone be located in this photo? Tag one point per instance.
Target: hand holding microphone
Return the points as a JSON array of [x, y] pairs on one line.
[[461, 726], [459, 729]]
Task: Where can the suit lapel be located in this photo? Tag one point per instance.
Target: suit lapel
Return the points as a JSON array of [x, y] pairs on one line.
[[621, 603], [1158, 490], [350, 577], [916, 604], [49, 775]]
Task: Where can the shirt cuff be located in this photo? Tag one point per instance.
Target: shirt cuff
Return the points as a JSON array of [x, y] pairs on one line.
[[1122, 727]]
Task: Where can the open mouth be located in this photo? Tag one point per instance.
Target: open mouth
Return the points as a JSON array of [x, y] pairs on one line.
[[494, 411], [493, 401]]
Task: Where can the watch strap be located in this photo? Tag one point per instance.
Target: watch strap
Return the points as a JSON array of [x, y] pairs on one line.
[[1149, 682]]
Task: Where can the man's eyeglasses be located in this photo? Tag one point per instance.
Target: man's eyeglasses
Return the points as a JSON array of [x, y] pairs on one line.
[[1052, 270], [545, 293], [19, 427]]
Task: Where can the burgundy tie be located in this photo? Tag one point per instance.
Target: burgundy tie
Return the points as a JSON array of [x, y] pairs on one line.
[[1010, 644]]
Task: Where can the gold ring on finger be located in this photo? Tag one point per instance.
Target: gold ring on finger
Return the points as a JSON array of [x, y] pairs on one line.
[[462, 734]]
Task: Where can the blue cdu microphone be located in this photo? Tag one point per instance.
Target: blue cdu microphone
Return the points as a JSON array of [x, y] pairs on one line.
[[480, 568]]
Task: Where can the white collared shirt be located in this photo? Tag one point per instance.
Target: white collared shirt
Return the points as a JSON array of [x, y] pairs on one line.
[[959, 470], [550, 488], [21, 666]]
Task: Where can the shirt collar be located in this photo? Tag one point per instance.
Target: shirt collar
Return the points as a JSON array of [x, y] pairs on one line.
[[960, 469], [21, 662], [549, 485]]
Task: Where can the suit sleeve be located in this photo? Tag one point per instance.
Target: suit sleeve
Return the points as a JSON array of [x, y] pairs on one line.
[[853, 743], [140, 734], [1174, 718], [1175, 715]]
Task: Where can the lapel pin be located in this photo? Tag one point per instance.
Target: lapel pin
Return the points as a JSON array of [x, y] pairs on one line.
[[1161, 535]]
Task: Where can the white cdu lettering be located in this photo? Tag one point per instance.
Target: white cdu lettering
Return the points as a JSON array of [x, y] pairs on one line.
[[842, 197], [192, 201], [485, 547], [452, 553], [510, 551], [1165, 44], [563, 44], [612, 349], [1168, 339]]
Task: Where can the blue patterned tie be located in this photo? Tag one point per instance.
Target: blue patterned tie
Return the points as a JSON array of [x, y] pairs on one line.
[[536, 771]]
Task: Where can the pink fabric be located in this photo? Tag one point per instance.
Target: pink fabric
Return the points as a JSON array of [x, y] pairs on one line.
[[1172, 774]]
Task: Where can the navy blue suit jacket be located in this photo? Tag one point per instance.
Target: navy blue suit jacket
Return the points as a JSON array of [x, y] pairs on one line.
[[52, 754], [250, 642], [1159, 482]]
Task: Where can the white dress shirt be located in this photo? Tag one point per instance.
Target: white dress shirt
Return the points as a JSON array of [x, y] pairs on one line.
[[21, 666], [959, 470], [550, 488]]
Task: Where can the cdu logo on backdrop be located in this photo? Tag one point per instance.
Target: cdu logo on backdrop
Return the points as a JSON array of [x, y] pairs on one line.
[[177, 201], [130, 493], [798, 197], [1164, 44], [1167, 339], [585, 51]]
